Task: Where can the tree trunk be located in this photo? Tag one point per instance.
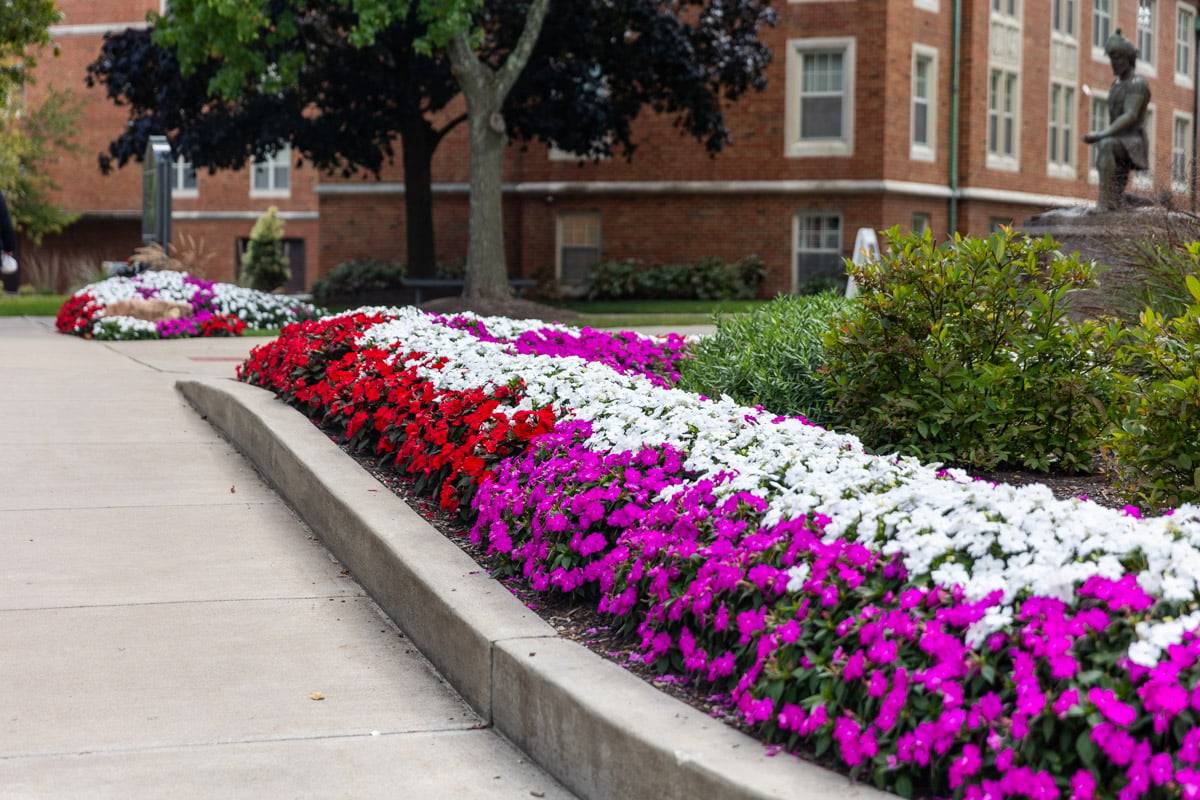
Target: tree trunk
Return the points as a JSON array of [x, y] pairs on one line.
[[485, 90], [418, 141], [487, 273]]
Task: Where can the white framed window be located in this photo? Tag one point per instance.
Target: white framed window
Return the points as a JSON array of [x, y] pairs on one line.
[[924, 104], [1060, 155], [820, 97], [578, 235], [1003, 99], [271, 176], [818, 247], [1181, 149], [920, 222], [1185, 30], [1063, 18], [1006, 8], [1147, 27], [1097, 121], [1143, 180], [183, 178], [1102, 17]]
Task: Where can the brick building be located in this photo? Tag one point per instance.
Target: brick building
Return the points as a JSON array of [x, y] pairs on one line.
[[957, 115], [214, 211]]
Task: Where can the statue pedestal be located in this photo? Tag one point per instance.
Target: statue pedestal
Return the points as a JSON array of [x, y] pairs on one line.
[[1114, 240]]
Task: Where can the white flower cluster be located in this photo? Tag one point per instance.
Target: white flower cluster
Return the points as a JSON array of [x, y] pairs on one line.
[[124, 328], [165, 285], [257, 309], [984, 537]]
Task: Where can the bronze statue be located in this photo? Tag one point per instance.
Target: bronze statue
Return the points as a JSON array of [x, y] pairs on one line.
[[1121, 147]]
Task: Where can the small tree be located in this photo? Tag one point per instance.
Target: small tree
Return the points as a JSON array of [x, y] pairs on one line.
[[263, 264], [31, 137]]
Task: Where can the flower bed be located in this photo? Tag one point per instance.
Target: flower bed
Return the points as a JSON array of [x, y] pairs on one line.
[[217, 309], [932, 634]]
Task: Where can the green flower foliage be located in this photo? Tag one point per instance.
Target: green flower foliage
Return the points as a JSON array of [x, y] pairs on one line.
[[1157, 443], [771, 357], [966, 353]]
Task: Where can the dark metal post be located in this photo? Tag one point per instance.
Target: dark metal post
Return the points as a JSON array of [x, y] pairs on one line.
[[156, 193]]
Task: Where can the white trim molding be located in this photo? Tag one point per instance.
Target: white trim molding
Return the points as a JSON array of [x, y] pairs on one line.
[[217, 216], [95, 29], [798, 187]]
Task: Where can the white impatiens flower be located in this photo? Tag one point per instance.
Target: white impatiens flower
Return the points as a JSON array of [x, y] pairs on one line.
[[797, 575], [1020, 541]]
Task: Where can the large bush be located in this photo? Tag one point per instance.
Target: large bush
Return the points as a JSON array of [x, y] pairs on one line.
[[707, 279], [966, 353], [770, 357], [1157, 444]]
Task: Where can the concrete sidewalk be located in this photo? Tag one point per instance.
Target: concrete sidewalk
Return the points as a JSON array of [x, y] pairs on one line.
[[167, 624]]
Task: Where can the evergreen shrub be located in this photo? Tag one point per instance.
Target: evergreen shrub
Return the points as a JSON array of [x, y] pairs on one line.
[[709, 278], [771, 357], [358, 276], [264, 266]]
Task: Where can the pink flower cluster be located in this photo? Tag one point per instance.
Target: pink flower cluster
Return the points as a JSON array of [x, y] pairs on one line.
[[626, 352]]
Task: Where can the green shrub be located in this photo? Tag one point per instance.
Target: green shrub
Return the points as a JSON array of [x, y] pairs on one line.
[[613, 280], [1156, 446], [770, 357], [264, 267], [966, 354], [359, 276], [707, 279]]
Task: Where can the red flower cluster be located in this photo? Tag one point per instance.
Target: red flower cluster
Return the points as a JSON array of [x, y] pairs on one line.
[[77, 314], [448, 441], [222, 325]]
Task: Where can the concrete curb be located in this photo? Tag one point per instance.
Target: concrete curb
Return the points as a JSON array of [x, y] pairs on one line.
[[605, 734]]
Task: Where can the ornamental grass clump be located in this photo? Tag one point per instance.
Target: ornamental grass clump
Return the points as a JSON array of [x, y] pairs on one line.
[[967, 353], [934, 635]]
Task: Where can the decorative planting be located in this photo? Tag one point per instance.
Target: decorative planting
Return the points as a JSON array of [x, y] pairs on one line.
[[934, 635], [206, 308]]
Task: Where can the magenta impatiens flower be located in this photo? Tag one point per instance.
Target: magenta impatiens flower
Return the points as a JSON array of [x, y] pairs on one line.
[[965, 765], [1106, 703], [1083, 785]]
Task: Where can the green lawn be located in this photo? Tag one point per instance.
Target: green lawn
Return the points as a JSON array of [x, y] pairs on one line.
[[30, 305]]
